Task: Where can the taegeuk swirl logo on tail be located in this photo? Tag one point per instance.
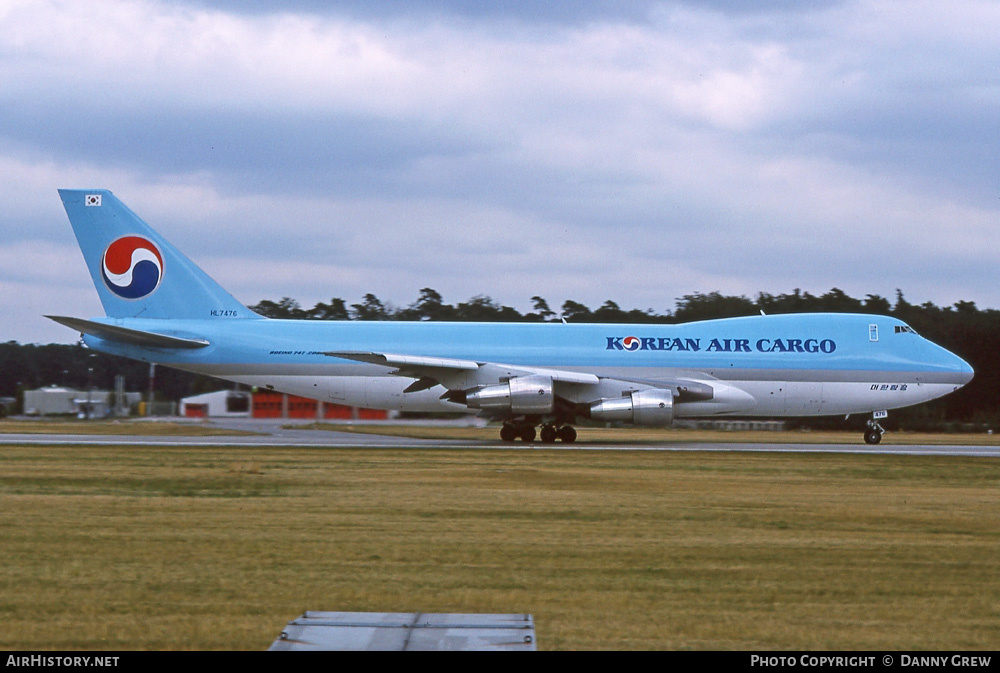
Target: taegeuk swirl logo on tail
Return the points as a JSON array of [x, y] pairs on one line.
[[132, 267]]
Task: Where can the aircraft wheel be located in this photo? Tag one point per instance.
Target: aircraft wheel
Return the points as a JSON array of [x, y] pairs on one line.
[[549, 433], [872, 436], [528, 433], [508, 432], [567, 434]]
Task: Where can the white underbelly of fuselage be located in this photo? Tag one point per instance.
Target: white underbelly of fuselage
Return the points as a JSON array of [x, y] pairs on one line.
[[368, 392], [832, 398], [756, 398]]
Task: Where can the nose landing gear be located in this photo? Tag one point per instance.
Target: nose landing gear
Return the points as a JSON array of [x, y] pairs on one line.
[[873, 435]]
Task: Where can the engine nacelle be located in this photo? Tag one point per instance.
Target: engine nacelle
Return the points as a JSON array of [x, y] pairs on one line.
[[520, 395], [642, 407]]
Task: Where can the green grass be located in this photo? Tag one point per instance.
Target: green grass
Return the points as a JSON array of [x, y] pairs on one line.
[[217, 548], [127, 426]]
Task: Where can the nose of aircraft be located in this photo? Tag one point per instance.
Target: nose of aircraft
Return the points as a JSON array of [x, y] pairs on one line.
[[965, 370]]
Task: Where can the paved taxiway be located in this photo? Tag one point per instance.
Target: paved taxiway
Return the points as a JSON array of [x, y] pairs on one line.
[[280, 434]]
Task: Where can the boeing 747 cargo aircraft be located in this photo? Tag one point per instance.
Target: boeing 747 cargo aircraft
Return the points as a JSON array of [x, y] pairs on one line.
[[160, 307]]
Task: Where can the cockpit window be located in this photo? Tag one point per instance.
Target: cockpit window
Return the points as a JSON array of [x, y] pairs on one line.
[[905, 329]]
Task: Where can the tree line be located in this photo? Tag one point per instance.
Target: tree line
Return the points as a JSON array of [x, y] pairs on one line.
[[963, 328], [430, 306]]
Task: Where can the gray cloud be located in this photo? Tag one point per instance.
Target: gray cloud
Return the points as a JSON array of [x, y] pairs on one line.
[[587, 151], [550, 12]]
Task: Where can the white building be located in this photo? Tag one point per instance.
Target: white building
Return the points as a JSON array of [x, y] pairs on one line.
[[227, 403], [83, 403]]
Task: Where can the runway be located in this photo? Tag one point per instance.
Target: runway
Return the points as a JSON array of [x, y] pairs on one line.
[[275, 434]]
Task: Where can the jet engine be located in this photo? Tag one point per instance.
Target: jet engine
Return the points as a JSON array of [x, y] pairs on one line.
[[642, 407], [526, 395]]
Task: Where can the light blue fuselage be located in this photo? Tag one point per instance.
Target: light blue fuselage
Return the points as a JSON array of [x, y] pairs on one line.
[[803, 364]]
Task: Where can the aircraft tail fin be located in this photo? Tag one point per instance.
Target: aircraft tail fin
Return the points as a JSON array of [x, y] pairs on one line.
[[136, 271]]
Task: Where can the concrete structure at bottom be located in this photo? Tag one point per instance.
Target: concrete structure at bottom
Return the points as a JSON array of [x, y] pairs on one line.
[[407, 632]]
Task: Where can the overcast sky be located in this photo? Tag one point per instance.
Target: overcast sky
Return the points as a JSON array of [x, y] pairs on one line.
[[632, 151]]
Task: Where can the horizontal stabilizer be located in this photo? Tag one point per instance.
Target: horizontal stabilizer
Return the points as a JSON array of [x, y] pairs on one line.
[[126, 335]]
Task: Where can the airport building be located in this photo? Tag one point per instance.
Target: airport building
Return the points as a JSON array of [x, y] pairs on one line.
[[56, 400], [270, 404]]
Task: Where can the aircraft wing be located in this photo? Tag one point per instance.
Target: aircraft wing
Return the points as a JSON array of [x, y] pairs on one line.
[[465, 375], [504, 391], [455, 374], [403, 361]]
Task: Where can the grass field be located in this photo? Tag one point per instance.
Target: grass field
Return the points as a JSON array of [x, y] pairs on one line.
[[217, 548], [128, 426]]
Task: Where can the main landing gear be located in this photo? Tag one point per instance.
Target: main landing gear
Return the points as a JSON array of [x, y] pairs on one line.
[[550, 432]]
